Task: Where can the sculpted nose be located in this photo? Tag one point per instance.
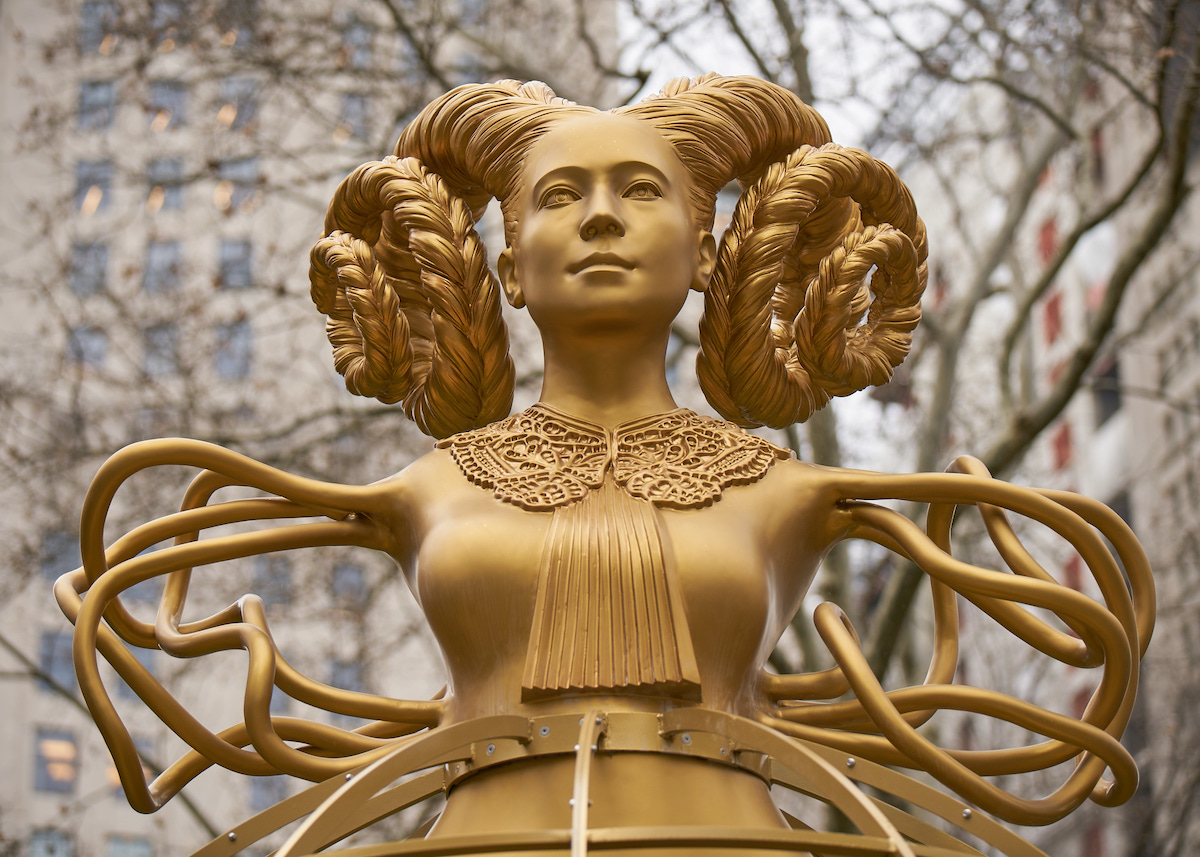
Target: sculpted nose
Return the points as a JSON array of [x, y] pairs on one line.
[[601, 218]]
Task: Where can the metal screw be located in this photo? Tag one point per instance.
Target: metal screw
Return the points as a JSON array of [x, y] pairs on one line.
[[231, 836], [599, 721], [967, 814], [349, 777], [545, 730], [850, 762], [723, 751], [686, 738], [458, 769]]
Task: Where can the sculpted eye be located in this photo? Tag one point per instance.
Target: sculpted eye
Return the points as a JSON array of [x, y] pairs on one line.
[[643, 190], [557, 196]]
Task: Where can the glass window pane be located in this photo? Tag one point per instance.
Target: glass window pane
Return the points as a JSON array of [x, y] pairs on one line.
[[356, 45], [235, 22], [89, 268], [348, 585], [348, 675], [355, 114], [93, 185], [60, 553], [272, 579], [265, 792], [56, 761], [237, 182], [54, 659], [87, 346], [164, 262], [50, 843], [165, 177], [167, 104], [97, 27], [96, 104], [238, 102], [168, 24], [161, 343], [126, 846], [235, 265], [234, 356]]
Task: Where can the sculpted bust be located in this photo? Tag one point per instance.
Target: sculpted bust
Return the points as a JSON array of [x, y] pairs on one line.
[[605, 572]]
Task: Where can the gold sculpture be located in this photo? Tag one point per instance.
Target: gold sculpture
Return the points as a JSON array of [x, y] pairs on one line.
[[605, 572]]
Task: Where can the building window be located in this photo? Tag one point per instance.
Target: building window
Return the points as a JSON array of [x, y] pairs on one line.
[[50, 843], [235, 22], [265, 792], [161, 350], [1048, 239], [97, 103], [348, 675], [348, 585], [164, 261], [1096, 141], [87, 346], [54, 660], [356, 45], [272, 579], [60, 553], [234, 356], [93, 186], [168, 24], [471, 12], [1062, 446], [1106, 391], [239, 102], [98, 28], [237, 182], [234, 271], [167, 104], [89, 268], [1052, 318], [355, 114], [165, 177], [55, 761], [129, 846]]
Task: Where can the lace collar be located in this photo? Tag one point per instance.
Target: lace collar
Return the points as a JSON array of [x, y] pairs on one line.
[[543, 459]]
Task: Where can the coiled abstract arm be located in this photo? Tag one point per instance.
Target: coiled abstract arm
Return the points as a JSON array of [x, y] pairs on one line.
[[90, 597], [882, 725]]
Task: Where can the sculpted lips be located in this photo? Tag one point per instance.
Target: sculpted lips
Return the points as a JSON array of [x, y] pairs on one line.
[[599, 260]]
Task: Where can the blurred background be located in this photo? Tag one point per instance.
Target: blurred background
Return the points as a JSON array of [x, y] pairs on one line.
[[164, 170]]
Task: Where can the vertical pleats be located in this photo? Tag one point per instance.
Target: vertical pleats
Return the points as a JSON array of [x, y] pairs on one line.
[[607, 616]]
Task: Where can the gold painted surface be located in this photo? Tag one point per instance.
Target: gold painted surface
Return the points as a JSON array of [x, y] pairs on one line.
[[606, 555]]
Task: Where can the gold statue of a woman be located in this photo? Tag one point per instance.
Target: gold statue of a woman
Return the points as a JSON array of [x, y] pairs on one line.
[[605, 572]]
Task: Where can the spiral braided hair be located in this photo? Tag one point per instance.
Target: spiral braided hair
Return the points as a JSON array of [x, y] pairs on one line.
[[815, 294]]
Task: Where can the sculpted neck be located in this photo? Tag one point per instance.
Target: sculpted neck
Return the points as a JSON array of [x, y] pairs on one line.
[[606, 379]]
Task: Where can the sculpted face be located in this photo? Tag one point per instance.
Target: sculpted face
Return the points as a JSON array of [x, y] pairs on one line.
[[605, 236]]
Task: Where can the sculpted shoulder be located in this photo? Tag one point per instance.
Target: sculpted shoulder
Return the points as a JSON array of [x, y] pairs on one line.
[[408, 500]]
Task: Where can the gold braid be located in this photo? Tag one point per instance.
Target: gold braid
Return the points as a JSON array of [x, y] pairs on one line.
[[781, 332], [414, 310]]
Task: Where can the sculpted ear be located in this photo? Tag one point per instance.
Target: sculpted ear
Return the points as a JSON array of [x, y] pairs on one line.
[[507, 271], [707, 262]]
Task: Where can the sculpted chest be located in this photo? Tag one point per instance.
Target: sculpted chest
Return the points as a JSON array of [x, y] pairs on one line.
[[598, 551]]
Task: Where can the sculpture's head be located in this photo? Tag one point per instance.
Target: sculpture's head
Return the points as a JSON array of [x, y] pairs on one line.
[[414, 310], [605, 235]]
